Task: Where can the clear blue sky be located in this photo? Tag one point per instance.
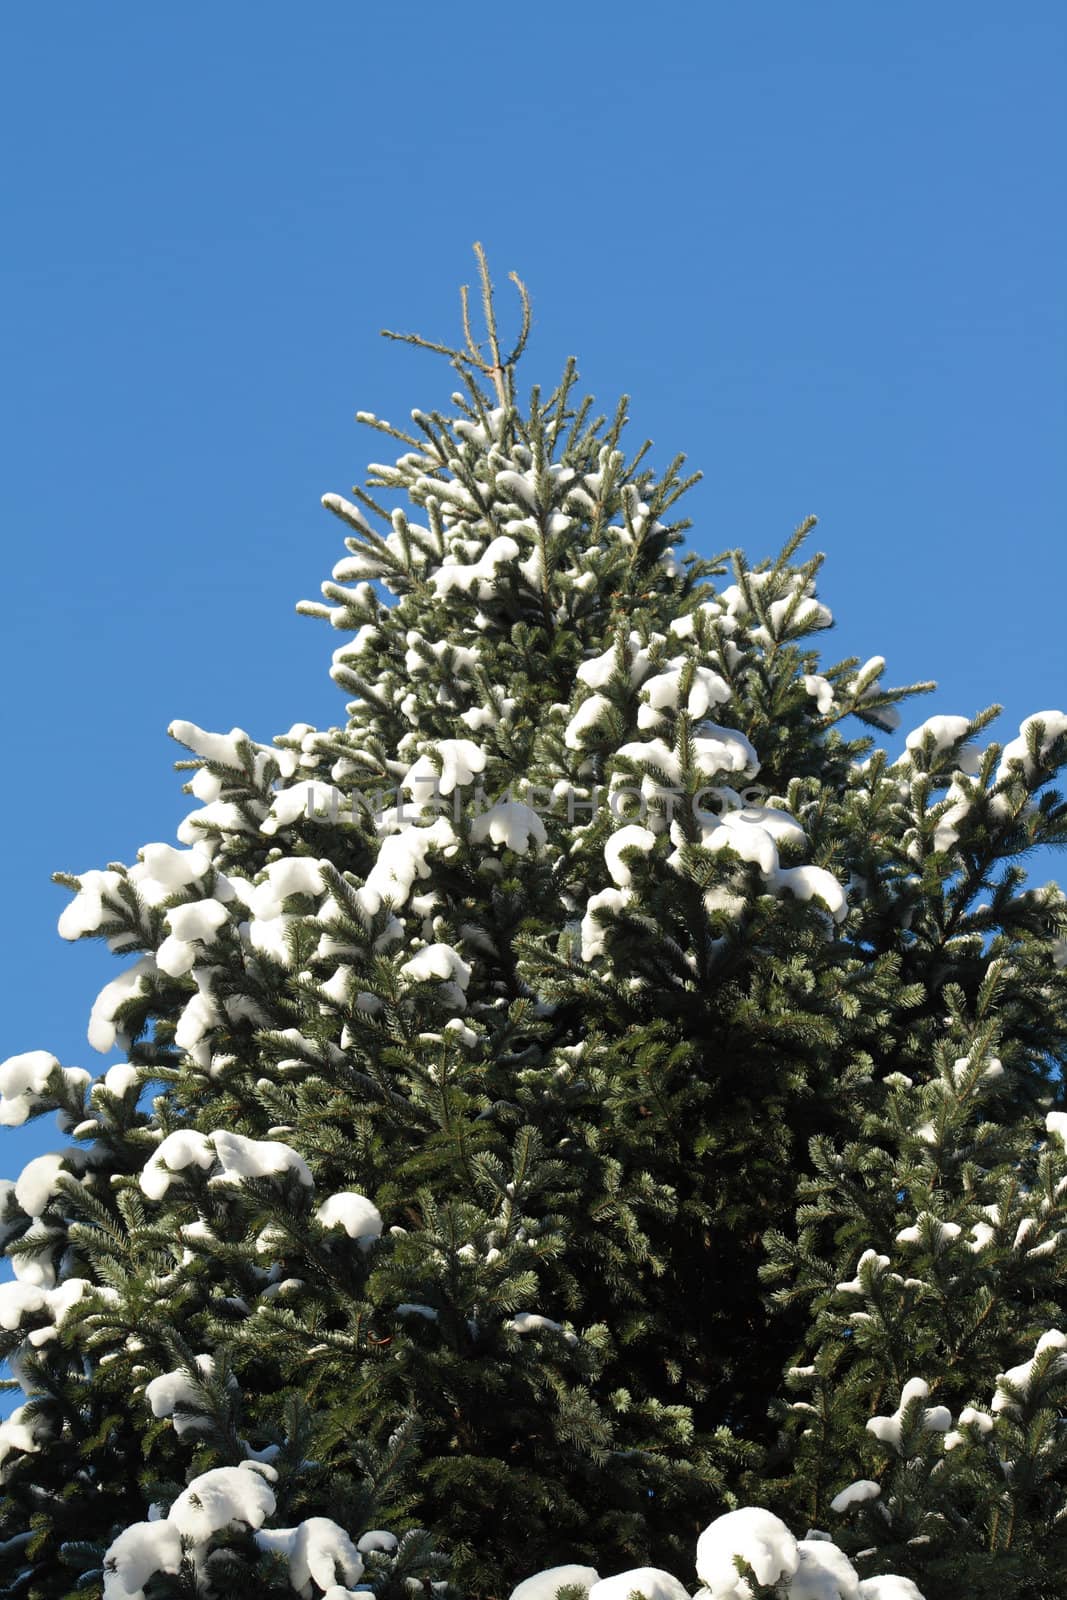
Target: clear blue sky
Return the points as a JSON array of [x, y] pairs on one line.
[[822, 245]]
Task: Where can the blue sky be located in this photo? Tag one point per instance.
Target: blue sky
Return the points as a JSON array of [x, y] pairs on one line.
[[822, 246]]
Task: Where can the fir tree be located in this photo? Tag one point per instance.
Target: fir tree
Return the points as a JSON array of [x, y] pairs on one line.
[[590, 1094]]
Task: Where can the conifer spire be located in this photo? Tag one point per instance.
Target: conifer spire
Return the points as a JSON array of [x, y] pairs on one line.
[[483, 356]]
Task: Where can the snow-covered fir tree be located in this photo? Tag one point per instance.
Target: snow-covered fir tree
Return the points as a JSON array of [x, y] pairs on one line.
[[590, 1110]]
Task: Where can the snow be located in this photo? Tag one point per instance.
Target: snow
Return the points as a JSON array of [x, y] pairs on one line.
[[547, 1584], [963, 1066], [871, 669], [734, 598], [479, 576], [480, 717], [969, 1417], [31, 1298], [176, 869], [358, 1216], [222, 815], [87, 913], [476, 433], [23, 1080], [855, 1494], [217, 1499], [821, 691], [270, 937], [36, 1183], [652, 753], [808, 614], [354, 567], [317, 1550], [137, 1555], [889, 1430], [758, 1537], [650, 1582], [734, 831], [871, 1259], [808, 883], [350, 650], [213, 1502], [948, 824], [447, 489], [532, 1322], [708, 689], [337, 988], [195, 922], [783, 828], [929, 1228], [219, 748], [197, 919], [62, 1299], [346, 511], [284, 1286], [711, 611], [521, 485], [632, 837], [533, 569], [512, 824], [15, 1434], [600, 670], [588, 713], [309, 798], [240, 889], [1056, 1125], [752, 832], [594, 932], [437, 961], [199, 1016], [460, 760], [1020, 1377], [35, 1267], [943, 731], [103, 1029], [243, 1159], [205, 785], [823, 1573], [377, 1539], [198, 1232], [178, 1388], [175, 958], [458, 659], [1055, 726], [981, 1235], [888, 1587], [271, 1240], [718, 749], [184, 1148], [663, 693], [18, 1301]]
